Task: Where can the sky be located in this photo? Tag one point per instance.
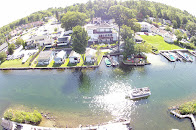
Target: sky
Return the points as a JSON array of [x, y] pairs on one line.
[[11, 10]]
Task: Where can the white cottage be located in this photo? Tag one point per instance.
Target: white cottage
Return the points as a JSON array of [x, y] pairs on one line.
[[170, 38], [74, 57], [60, 57], [45, 57], [90, 55]]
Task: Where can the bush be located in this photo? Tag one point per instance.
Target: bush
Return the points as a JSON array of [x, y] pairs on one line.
[[188, 108], [23, 117], [2, 56]]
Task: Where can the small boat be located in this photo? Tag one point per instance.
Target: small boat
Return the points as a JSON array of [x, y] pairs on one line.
[[107, 62], [184, 56], [189, 58], [138, 93]]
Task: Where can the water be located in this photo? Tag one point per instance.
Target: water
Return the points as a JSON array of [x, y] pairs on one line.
[[97, 96]]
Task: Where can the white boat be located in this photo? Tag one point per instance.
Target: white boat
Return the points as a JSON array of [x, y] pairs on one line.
[[138, 93]]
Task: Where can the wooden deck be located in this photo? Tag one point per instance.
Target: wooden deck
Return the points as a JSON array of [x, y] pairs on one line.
[[185, 116]]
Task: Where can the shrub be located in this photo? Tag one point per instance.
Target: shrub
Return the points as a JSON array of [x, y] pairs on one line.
[[23, 117]]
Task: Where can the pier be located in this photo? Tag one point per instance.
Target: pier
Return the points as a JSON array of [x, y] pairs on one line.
[[190, 116]]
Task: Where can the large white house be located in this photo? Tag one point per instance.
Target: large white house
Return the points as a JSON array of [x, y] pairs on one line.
[[101, 33], [145, 27]]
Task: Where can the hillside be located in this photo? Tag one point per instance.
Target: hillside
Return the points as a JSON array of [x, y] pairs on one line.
[[99, 8]]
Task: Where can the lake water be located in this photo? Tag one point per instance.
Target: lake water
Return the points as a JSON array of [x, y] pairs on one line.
[[97, 96]]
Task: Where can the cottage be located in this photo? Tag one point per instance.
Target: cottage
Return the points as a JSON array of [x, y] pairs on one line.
[[65, 40], [45, 57], [90, 55], [74, 57], [60, 57]]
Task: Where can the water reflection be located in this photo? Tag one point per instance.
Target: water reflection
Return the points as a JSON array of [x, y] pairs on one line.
[[112, 100], [84, 82]]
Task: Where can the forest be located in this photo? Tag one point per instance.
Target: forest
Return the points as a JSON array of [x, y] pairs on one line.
[[100, 8]]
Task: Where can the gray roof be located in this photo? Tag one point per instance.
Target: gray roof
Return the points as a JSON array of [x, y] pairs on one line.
[[3, 46], [44, 55], [74, 54]]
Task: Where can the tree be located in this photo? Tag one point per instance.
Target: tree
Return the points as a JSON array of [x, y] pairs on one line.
[[11, 48], [126, 32], [129, 47], [19, 42], [121, 14], [193, 40], [179, 35], [57, 15], [3, 56], [72, 19], [80, 40], [175, 24]]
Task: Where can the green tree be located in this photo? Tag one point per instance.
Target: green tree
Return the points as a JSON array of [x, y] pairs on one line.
[[8, 114], [126, 32], [175, 24], [55, 30], [179, 35], [2, 56], [129, 48], [19, 42], [80, 40], [72, 19], [193, 40], [121, 15], [11, 48]]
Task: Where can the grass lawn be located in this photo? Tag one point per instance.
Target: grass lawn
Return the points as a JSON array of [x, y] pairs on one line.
[[159, 43], [17, 63]]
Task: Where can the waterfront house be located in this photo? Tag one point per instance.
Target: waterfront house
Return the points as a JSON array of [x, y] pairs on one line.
[[101, 33], [90, 55], [60, 57], [45, 57], [74, 57]]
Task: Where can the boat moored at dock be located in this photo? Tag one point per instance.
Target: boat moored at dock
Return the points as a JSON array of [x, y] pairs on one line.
[[107, 62]]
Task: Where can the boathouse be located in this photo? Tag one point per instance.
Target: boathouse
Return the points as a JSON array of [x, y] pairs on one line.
[[60, 57], [90, 55], [45, 57]]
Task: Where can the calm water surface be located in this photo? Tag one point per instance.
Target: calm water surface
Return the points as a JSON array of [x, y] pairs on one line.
[[97, 96]]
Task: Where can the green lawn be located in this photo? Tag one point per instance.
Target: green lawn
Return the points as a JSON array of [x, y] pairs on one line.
[[17, 63], [159, 43]]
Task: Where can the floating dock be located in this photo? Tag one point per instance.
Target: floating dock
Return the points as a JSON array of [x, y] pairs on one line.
[[185, 116]]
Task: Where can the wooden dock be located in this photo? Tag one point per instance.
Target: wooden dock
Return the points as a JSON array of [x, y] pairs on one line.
[[113, 62], [190, 116]]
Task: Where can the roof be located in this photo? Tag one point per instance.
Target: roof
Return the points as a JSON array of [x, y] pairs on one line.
[[90, 52], [61, 54], [4, 45], [104, 25], [39, 37], [44, 55], [74, 54]]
